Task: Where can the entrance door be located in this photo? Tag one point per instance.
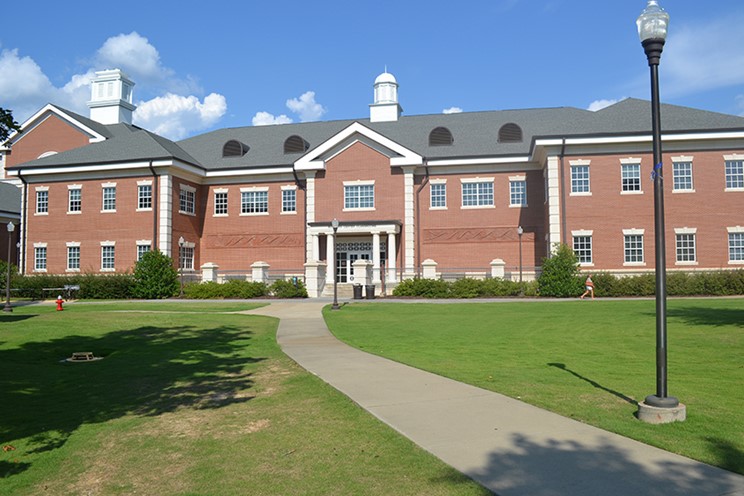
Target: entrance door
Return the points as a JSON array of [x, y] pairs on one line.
[[346, 255]]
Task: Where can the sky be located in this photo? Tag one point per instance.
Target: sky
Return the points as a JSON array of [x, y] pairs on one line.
[[201, 65]]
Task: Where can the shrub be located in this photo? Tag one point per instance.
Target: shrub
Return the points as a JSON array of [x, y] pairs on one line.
[[108, 287], [155, 277], [560, 272], [467, 288], [234, 289], [288, 289], [423, 288]]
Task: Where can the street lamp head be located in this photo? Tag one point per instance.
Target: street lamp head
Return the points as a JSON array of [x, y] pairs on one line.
[[653, 22], [11, 227], [334, 224], [181, 241], [520, 231]]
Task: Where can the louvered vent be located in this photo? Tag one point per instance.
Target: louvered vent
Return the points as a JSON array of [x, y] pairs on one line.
[[234, 148], [440, 136], [510, 133], [295, 144]]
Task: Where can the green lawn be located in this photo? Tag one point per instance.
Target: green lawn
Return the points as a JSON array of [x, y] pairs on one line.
[[589, 360], [187, 400]]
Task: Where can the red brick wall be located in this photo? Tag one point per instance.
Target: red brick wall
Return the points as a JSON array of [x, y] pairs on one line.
[[471, 237], [53, 134], [607, 212], [90, 227]]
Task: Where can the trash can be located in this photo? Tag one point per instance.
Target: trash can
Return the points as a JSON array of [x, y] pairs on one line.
[[357, 291], [370, 289]]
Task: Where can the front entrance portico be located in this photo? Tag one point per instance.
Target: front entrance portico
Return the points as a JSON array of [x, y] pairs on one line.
[[367, 240]]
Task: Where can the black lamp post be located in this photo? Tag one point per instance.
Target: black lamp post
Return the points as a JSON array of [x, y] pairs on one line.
[[652, 29], [7, 307], [334, 225], [181, 243], [520, 231]]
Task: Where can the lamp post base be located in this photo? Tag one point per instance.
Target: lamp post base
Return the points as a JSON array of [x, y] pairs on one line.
[[661, 415], [7, 308]]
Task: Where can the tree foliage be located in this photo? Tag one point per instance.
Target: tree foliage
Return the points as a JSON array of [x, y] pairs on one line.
[[560, 273], [155, 277], [7, 124]]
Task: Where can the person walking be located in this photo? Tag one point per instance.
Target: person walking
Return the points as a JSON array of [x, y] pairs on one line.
[[589, 285]]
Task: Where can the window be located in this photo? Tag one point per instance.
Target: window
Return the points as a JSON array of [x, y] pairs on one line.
[[736, 246], [580, 179], [582, 246], [73, 258], [142, 248], [144, 197], [631, 177], [254, 202], [109, 199], [438, 195], [187, 199], [477, 194], [734, 174], [40, 258], [42, 201], [682, 173], [359, 196], [633, 248], [686, 247], [518, 193], [220, 203], [108, 257], [289, 200], [186, 257], [75, 197]]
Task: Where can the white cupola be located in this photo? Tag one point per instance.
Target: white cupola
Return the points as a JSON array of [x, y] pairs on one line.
[[385, 107], [111, 97]]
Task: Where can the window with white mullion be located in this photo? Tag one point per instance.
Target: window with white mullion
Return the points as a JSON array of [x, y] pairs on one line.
[[254, 202], [220, 203], [734, 170], [580, 179], [633, 248], [736, 246], [359, 196], [582, 246], [75, 200], [631, 177], [438, 195], [682, 174], [518, 193], [109, 199], [686, 248], [477, 194]]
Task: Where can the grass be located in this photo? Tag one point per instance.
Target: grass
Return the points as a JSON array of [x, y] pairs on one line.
[[187, 400], [589, 360]]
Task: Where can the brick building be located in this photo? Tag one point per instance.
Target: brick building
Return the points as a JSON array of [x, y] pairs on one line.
[[433, 195]]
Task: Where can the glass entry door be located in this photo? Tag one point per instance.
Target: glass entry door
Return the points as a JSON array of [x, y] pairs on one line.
[[346, 255]]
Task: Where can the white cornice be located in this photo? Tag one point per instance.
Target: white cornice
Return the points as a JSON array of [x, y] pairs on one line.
[[477, 161], [30, 122], [316, 158]]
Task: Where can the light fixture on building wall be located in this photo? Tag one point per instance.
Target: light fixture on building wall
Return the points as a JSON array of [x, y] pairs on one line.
[[652, 30], [7, 307]]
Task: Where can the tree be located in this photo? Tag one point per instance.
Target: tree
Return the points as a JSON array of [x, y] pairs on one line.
[[7, 124], [560, 274], [155, 277]]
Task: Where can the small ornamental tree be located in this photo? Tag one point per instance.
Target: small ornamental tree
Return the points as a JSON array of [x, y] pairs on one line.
[[560, 274], [155, 277]]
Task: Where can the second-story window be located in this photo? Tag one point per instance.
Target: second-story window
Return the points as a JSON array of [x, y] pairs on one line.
[[75, 199], [359, 196], [144, 197], [109, 199], [187, 200], [42, 201]]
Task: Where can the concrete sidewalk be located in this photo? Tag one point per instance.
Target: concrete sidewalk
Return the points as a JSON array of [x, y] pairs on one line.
[[507, 446]]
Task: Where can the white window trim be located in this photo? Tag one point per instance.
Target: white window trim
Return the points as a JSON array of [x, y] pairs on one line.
[[682, 158], [37, 189], [108, 185], [635, 232], [146, 182], [143, 242], [107, 243], [580, 163], [728, 158], [517, 179], [71, 244], [190, 189], [685, 230], [72, 187], [40, 245], [465, 180], [437, 181], [217, 191], [104, 186], [187, 187], [252, 189], [582, 232], [75, 186], [41, 188], [631, 161], [585, 233], [288, 187], [734, 230], [359, 182]]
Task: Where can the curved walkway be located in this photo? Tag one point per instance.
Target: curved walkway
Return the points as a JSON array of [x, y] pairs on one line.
[[509, 447]]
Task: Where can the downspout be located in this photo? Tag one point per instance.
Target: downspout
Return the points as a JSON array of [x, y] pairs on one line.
[[154, 207], [563, 193], [418, 215], [24, 227], [298, 182]]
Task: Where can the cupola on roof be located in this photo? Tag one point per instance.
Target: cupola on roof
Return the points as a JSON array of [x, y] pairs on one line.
[[385, 77]]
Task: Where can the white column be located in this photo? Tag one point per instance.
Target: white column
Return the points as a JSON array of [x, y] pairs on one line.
[[330, 258], [391, 257], [409, 249], [310, 215], [316, 248], [165, 214], [376, 257], [554, 202]]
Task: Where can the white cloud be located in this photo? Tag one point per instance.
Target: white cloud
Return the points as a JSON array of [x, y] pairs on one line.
[[452, 110], [704, 56], [267, 119], [740, 104], [600, 104], [306, 107], [170, 104], [175, 116]]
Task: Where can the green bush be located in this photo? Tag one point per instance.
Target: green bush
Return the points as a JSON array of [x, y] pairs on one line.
[[155, 277], [422, 288], [106, 287], [467, 288], [560, 272], [233, 289], [288, 289]]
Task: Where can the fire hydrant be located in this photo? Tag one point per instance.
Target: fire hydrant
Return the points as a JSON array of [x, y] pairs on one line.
[[59, 303]]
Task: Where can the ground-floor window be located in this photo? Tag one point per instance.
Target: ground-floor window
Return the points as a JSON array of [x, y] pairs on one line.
[[108, 257], [582, 246], [736, 247], [634, 248], [40, 258], [686, 248]]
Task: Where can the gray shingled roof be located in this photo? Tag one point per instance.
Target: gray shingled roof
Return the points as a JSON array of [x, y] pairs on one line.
[[10, 200], [475, 135]]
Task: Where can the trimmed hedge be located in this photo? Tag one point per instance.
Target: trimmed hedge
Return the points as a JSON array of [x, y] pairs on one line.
[[233, 289], [463, 288], [92, 286], [288, 289]]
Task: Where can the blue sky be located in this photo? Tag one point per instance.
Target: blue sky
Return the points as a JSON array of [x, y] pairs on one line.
[[204, 65]]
